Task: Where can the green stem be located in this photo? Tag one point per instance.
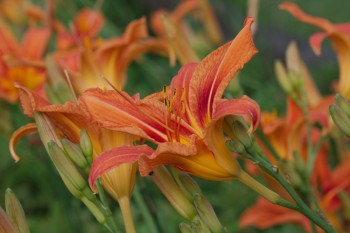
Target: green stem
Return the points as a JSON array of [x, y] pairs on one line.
[[140, 202], [302, 207]]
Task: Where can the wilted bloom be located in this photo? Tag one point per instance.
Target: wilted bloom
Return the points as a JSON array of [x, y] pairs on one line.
[[22, 62], [185, 121], [339, 35]]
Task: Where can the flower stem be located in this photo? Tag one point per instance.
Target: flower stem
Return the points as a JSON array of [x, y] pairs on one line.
[[302, 207], [124, 203], [249, 181]]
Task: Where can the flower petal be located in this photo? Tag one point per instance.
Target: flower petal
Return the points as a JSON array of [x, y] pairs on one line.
[[18, 134], [123, 113], [113, 158], [88, 23], [35, 42], [264, 215], [243, 106], [213, 74]]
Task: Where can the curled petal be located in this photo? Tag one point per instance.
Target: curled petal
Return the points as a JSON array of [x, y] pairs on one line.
[[115, 157], [243, 106], [18, 134]]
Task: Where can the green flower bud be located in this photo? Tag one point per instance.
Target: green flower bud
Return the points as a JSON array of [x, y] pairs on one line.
[[207, 213], [185, 228], [342, 103], [66, 167], [340, 118], [86, 145], [75, 154], [15, 212]]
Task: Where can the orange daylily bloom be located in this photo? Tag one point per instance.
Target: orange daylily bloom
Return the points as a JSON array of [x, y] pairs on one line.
[[69, 120], [185, 121], [90, 66], [22, 63], [339, 35], [264, 215], [85, 26]]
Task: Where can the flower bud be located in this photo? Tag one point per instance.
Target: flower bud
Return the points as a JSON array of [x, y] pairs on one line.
[[236, 147], [197, 226], [187, 184], [86, 145], [66, 167], [282, 77], [207, 213], [342, 103], [75, 154], [340, 118], [185, 228], [240, 132], [173, 193], [15, 212]]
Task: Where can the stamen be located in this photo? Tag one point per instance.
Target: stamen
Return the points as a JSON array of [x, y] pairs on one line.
[[127, 98], [70, 85]]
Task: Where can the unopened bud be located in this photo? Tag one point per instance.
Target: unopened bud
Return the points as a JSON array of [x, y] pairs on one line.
[[240, 131], [66, 167], [86, 145], [75, 154], [340, 118], [342, 103], [207, 213], [185, 228], [173, 193], [236, 147], [15, 212], [188, 185], [197, 226], [282, 77], [94, 210]]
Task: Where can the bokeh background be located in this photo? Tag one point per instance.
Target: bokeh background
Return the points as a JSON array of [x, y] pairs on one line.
[[49, 206]]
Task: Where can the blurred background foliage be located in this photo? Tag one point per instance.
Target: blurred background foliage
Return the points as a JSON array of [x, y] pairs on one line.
[[48, 205]]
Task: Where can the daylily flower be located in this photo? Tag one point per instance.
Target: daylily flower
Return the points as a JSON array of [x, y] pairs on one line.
[[185, 122], [339, 35], [21, 62], [85, 27], [69, 120], [91, 64], [264, 215], [182, 34]]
